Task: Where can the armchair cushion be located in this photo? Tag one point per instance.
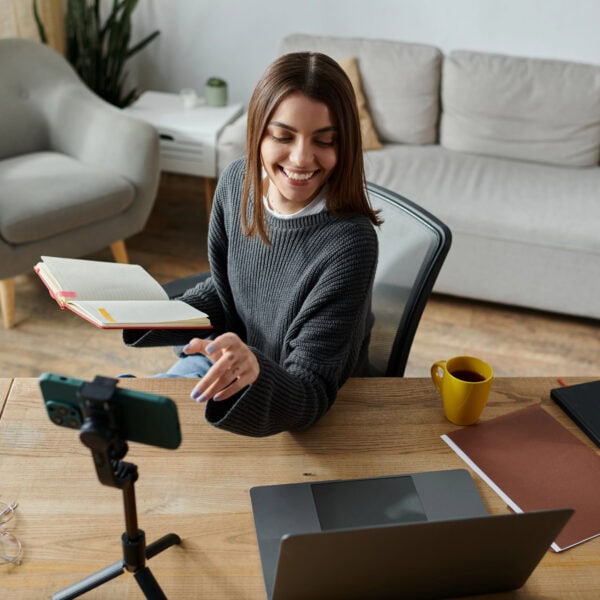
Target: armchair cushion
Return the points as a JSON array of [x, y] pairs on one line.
[[74, 195]]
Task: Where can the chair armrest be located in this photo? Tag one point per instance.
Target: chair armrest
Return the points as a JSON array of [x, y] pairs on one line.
[[98, 134], [178, 287]]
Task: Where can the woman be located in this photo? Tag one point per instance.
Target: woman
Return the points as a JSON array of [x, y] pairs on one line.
[[291, 273]]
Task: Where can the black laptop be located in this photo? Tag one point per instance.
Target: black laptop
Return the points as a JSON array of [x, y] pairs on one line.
[[422, 535]]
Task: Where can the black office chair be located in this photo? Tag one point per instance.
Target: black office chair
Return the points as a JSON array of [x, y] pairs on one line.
[[413, 245], [177, 287]]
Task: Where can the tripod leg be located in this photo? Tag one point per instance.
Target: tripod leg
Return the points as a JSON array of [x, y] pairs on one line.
[[91, 581], [149, 585], [146, 581], [166, 541]]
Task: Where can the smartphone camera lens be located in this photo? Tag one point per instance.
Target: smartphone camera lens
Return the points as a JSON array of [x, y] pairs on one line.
[[63, 415]]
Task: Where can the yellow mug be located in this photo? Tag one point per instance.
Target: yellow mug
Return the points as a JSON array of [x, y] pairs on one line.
[[464, 383]]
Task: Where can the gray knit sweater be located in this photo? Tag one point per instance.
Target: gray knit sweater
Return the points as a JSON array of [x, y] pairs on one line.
[[302, 305]]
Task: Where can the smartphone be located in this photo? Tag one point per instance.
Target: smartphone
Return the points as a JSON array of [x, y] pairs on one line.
[[141, 417]]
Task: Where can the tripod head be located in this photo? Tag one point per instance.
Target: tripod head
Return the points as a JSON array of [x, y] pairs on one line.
[[101, 434], [107, 417]]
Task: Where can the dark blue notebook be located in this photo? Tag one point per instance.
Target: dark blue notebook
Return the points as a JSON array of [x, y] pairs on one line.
[[582, 403]]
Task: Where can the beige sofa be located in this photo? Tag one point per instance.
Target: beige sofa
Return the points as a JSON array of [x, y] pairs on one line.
[[503, 149]]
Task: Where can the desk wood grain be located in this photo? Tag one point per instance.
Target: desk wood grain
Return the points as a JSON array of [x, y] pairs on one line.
[[70, 525], [5, 384]]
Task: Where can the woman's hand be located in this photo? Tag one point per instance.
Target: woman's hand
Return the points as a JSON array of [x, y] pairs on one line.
[[234, 367]]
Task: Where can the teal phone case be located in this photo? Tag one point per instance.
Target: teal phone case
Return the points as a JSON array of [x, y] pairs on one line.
[[141, 417]]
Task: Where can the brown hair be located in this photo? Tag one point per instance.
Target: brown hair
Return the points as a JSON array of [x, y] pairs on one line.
[[320, 78]]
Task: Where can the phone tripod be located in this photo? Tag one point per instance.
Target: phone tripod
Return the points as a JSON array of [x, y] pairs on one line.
[[100, 433]]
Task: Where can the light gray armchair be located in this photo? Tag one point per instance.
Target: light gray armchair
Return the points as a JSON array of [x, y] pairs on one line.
[[76, 174]]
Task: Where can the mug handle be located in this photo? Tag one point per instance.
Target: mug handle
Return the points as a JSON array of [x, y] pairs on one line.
[[437, 373]]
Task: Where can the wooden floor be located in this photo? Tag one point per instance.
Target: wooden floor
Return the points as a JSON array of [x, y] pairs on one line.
[[514, 341]]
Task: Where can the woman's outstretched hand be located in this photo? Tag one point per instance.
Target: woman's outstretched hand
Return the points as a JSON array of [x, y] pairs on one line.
[[234, 367]]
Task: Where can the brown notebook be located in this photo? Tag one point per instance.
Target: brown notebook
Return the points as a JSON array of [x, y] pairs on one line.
[[535, 463]]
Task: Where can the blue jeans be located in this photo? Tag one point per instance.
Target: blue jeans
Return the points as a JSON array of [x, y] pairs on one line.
[[191, 365]]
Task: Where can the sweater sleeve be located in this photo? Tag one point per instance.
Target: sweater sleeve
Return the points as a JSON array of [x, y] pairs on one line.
[[202, 296], [323, 348]]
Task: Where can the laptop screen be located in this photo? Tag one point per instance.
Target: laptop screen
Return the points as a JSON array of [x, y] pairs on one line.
[[367, 502]]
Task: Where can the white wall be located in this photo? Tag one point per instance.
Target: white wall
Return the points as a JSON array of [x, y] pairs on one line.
[[236, 39]]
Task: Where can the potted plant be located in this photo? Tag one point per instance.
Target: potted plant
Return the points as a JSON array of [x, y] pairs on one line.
[[98, 51], [215, 91]]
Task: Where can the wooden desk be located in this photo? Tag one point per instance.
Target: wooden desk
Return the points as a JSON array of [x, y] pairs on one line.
[[5, 384], [70, 525]]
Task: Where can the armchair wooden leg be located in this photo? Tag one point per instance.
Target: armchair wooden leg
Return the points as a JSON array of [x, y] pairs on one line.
[[7, 302], [119, 251]]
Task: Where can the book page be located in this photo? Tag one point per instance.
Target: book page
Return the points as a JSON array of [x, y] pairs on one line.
[[78, 279], [142, 313]]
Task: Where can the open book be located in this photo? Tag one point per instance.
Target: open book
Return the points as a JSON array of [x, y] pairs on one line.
[[115, 295]]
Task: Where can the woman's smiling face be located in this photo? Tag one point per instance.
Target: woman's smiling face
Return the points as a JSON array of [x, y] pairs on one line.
[[298, 152]]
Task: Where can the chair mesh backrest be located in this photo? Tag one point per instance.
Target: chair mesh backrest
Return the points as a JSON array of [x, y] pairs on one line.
[[412, 247]]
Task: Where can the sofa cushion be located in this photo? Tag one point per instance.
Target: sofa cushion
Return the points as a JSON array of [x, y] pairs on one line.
[[545, 111], [74, 195], [492, 198], [400, 81], [370, 141]]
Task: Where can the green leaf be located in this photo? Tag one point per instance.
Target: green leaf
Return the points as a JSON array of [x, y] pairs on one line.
[[216, 82], [99, 50], [142, 44], [40, 25]]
